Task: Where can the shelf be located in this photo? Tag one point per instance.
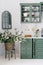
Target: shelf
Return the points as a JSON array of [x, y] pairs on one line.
[[25, 22], [35, 22], [35, 17], [35, 11], [24, 11], [25, 17]]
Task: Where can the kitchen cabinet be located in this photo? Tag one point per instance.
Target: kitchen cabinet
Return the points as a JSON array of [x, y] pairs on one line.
[[38, 49], [31, 49], [26, 49], [30, 12]]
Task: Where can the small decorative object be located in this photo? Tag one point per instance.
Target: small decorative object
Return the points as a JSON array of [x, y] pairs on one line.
[[26, 20], [37, 14], [35, 8], [28, 35], [25, 14], [26, 8], [36, 31]]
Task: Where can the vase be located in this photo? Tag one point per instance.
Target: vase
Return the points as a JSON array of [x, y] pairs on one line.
[[9, 46]]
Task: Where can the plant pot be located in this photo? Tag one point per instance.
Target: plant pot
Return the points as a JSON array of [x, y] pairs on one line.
[[9, 46]]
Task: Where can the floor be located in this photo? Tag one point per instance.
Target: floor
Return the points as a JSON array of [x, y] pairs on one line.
[[12, 61]]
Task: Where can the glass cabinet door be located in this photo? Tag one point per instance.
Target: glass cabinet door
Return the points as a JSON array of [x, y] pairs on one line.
[[25, 13], [35, 12]]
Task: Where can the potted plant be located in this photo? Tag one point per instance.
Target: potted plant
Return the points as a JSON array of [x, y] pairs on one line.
[[9, 39]]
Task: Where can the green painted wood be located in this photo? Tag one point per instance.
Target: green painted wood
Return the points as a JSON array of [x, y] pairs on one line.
[[26, 49], [40, 14], [30, 14], [41, 6], [38, 48], [26, 4]]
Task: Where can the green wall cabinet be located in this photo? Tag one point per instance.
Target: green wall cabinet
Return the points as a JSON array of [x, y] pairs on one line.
[[31, 49], [30, 12], [26, 49]]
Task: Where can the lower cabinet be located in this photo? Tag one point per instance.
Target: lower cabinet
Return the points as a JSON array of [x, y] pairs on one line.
[[31, 49], [38, 48], [26, 49]]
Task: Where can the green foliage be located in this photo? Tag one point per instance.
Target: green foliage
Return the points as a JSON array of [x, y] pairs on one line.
[[8, 37]]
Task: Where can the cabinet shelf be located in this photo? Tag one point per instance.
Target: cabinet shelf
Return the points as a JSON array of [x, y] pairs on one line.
[[24, 11], [25, 17], [35, 11], [35, 17]]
